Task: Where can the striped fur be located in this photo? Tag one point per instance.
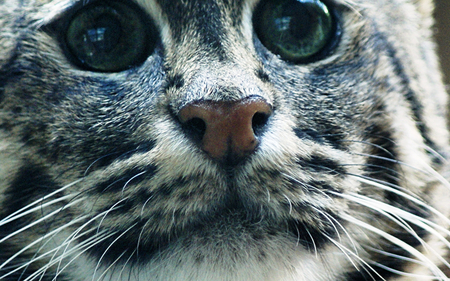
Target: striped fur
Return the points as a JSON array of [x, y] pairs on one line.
[[99, 180]]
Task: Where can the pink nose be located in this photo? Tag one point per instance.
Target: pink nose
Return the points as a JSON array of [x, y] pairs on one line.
[[227, 130]]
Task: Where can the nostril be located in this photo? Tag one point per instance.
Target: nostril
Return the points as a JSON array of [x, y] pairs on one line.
[[259, 122], [195, 127]]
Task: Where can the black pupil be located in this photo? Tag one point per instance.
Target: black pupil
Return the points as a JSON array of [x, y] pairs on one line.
[[297, 15], [105, 34]]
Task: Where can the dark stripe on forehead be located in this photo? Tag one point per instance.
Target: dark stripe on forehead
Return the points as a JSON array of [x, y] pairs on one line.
[[199, 18]]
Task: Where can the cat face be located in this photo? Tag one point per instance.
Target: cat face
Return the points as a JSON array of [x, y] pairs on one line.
[[217, 140]]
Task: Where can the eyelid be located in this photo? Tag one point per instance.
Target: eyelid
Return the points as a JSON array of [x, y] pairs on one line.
[[51, 12]]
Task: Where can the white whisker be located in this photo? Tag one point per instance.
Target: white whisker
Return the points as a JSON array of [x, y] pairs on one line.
[[435, 154], [84, 246], [132, 178], [394, 240], [429, 170], [17, 215], [403, 194], [75, 234], [35, 259], [437, 176], [126, 263], [47, 235], [407, 274], [25, 210], [145, 203], [36, 222], [290, 203], [304, 185], [400, 217], [399, 257], [58, 259], [110, 266], [312, 240], [105, 213], [347, 252], [333, 221], [107, 249]]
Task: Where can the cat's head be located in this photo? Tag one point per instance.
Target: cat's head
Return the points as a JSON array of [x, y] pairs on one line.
[[219, 137]]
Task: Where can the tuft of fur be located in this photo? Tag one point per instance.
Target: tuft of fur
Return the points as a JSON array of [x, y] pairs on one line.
[[99, 180]]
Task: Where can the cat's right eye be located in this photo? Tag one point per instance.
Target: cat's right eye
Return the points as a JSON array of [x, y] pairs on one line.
[[109, 36]]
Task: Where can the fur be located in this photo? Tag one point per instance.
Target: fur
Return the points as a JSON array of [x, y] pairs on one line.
[[100, 179]]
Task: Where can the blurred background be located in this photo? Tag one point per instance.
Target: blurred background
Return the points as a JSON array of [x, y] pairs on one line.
[[442, 33]]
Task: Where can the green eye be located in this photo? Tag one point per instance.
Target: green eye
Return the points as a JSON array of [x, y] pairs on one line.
[[300, 31], [109, 36]]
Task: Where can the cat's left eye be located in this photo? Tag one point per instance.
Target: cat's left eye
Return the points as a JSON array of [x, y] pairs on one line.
[[299, 31], [109, 36]]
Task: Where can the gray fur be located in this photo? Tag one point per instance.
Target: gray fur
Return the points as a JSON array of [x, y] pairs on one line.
[[100, 181]]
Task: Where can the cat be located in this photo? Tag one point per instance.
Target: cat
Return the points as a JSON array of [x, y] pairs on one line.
[[222, 140]]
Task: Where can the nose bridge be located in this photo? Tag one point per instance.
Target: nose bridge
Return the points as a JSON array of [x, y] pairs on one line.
[[225, 84], [206, 55], [202, 30], [217, 85]]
